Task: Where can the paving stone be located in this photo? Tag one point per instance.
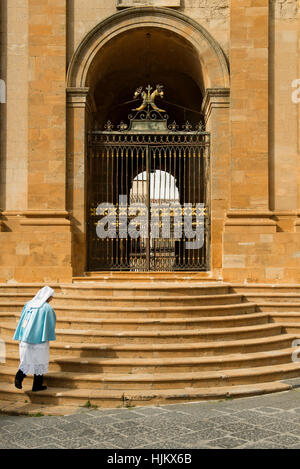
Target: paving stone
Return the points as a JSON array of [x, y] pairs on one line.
[[71, 427], [77, 443], [254, 434], [227, 442], [268, 410], [49, 446], [285, 427], [255, 418], [161, 423], [47, 442], [108, 434], [222, 420], [136, 430], [46, 421], [84, 417], [296, 410], [260, 445], [196, 437], [99, 446], [177, 419], [287, 416], [44, 432], [153, 411], [283, 441], [297, 446], [200, 425], [168, 444], [127, 443], [126, 414]]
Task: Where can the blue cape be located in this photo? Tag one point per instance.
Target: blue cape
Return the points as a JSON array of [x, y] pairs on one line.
[[36, 325]]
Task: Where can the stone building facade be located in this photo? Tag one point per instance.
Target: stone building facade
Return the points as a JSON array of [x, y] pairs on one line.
[[68, 63]]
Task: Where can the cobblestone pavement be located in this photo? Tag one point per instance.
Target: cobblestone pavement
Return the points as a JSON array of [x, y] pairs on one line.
[[263, 422]]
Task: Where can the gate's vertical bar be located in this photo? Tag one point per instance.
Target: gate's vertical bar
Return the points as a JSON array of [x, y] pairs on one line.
[[107, 198], [166, 243], [117, 202], [179, 180], [199, 200], [207, 202], [127, 202], [148, 208], [171, 211], [131, 256], [119, 208], [183, 261], [112, 151], [155, 241], [194, 197]]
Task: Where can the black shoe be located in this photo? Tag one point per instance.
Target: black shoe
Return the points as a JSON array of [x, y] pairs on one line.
[[38, 383], [19, 379]]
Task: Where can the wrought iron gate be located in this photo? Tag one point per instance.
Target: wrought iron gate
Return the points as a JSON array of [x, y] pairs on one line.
[[152, 180]]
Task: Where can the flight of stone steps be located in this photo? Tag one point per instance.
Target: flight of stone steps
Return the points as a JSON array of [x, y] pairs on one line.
[[138, 339]]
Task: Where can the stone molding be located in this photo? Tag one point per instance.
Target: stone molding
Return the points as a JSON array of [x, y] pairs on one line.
[[262, 218], [215, 60], [39, 217], [249, 218], [215, 98], [148, 3], [77, 97]]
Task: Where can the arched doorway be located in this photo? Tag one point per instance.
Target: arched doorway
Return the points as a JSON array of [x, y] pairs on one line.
[[113, 61]]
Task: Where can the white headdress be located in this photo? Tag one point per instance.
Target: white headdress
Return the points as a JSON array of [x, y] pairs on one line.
[[41, 297]]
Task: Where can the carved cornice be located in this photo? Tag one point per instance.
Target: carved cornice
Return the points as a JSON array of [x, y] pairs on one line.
[[146, 4], [249, 217], [77, 97], [215, 98], [39, 217]]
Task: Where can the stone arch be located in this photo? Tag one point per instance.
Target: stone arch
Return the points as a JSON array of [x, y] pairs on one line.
[[212, 58], [213, 83]]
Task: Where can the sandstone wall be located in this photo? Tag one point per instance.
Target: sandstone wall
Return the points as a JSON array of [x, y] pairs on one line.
[[257, 195]]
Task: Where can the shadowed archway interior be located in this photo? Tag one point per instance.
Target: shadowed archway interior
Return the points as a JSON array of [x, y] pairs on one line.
[[140, 57]]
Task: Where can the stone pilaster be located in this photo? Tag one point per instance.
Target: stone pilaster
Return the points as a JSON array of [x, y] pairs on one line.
[[249, 38], [297, 222], [47, 114], [77, 109], [215, 109], [14, 112]]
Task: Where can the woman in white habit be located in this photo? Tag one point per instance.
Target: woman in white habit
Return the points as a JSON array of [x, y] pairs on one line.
[[34, 331]]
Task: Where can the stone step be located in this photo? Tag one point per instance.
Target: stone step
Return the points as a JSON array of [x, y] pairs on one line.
[[99, 288], [191, 349], [166, 276], [140, 312], [164, 365], [9, 317], [123, 324], [286, 317], [291, 327], [20, 299], [289, 297], [109, 398], [157, 336], [144, 289], [278, 306], [265, 288]]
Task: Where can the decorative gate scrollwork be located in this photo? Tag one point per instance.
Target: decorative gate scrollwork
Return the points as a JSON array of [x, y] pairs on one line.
[[154, 179]]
